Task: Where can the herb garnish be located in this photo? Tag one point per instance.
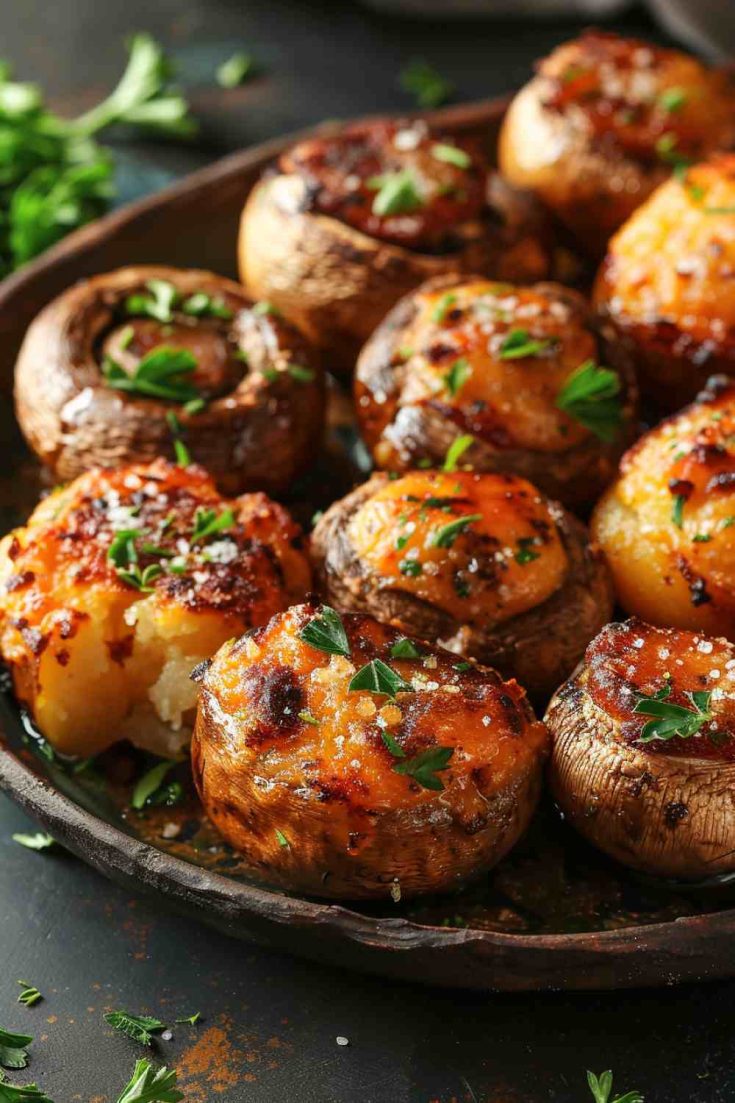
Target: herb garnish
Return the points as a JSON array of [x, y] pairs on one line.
[[25, 1093], [326, 632], [525, 553], [307, 717], [235, 70], [447, 534], [424, 767], [456, 450], [672, 99], [519, 343], [38, 841], [282, 840], [410, 567], [123, 555], [159, 304], [263, 308], [207, 522], [200, 305], [157, 375], [149, 1085], [392, 744], [190, 1020], [377, 677], [601, 1087], [457, 375], [300, 373], [677, 510], [404, 649], [451, 155], [397, 193], [149, 784], [591, 396], [13, 1048], [30, 994], [673, 720], [443, 307], [425, 83], [140, 1028]]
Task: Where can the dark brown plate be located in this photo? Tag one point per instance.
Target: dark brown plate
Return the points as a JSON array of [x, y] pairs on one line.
[[553, 915]]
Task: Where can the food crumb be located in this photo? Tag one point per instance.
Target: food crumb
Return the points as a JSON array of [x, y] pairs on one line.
[[342, 1041]]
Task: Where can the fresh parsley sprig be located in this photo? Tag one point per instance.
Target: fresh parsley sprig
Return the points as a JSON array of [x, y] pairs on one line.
[[396, 193], [601, 1087], [591, 395], [159, 374], [207, 522], [326, 632], [671, 720], [140, 1028], [151, 1085], [519, 344], [377, 677], [424, 767], [14, 1049]]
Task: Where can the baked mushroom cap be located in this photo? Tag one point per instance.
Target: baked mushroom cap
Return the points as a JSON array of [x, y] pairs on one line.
[[120, 583], [344, 760], [603, 123], [522, 369], [667, 525], [666, 284], [643, 760], [119, 365], [349, 222], [482, 564]]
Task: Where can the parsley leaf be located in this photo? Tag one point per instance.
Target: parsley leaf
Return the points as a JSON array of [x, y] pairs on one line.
[[673, 720], [424, 767], [456, 450], [157, 375], [13, 1047], [140, 1028], [183, 456], [397, 193], [190, 1020], [17, 1093], [149, 1085], [326, 632], [30, 994], [672, 99], [39, 841], [447, 534], [235, 70], [425, 83], [207, 522], [457, 376], [591, 396], [149, 784], [525, 553], [392, 744], [443, 307], [451, 155], [200, 305], [404, 649], [601, 1087], [159, 304], [377, 677], [282, 840], [519, 343], [677, 510]]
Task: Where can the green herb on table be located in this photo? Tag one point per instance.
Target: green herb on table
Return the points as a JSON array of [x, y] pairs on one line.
[[151, 1085], [428, 87], [159, 304], [22, 1093], [601, 1087], [404, 649], [157, 375], [591, 395], [30, 995], [140, 1028], [671, 720], [150, 784], [447, 534], [190, 1020], [457, 376], [13, 1049], [377, 677], [424, 767], [456, 450], [519, 344], [54, 177], [39, 841], [326, 632], [207, 522], [396, 193], [235, 70]]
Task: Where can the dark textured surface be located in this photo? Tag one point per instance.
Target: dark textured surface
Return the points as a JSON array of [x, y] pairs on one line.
[[270, 1022]]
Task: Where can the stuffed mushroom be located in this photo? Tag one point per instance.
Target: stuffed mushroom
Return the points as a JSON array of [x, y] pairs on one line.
[[522, 369], [667, 525], [122, 365], [666, 285], [120, 583], [350, 221], [643, 760], [603, 123], [344, 760], [483, 564]]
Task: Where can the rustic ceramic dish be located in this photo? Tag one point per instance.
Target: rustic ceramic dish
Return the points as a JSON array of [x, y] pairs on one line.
[[552, 915]]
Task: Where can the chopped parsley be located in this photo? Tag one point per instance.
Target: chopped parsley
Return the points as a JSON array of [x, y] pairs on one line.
[[702, 537], [519, 343], [300, 373], [150, 1085], [13, 1049], [38, 841], [447, 534], [525, 551], [181, 452], [457, 375], [140, 1028], [282, 840], [235, 70], [30, 995], [392, 744], [451, 155], [201, 305], [410, 567], [150, 785], [672, 99], [425, 83], [462, 667], [591, 395], [601, 1088], [159, 374], [442, 308], [456, 450], [377, 677], [263, 308], [397, 193], [671, 720], [424, 767], [677, 510], [207, 522], [159, 304], [307, 717], [190, 1020], [404, 649], [326, 632]]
